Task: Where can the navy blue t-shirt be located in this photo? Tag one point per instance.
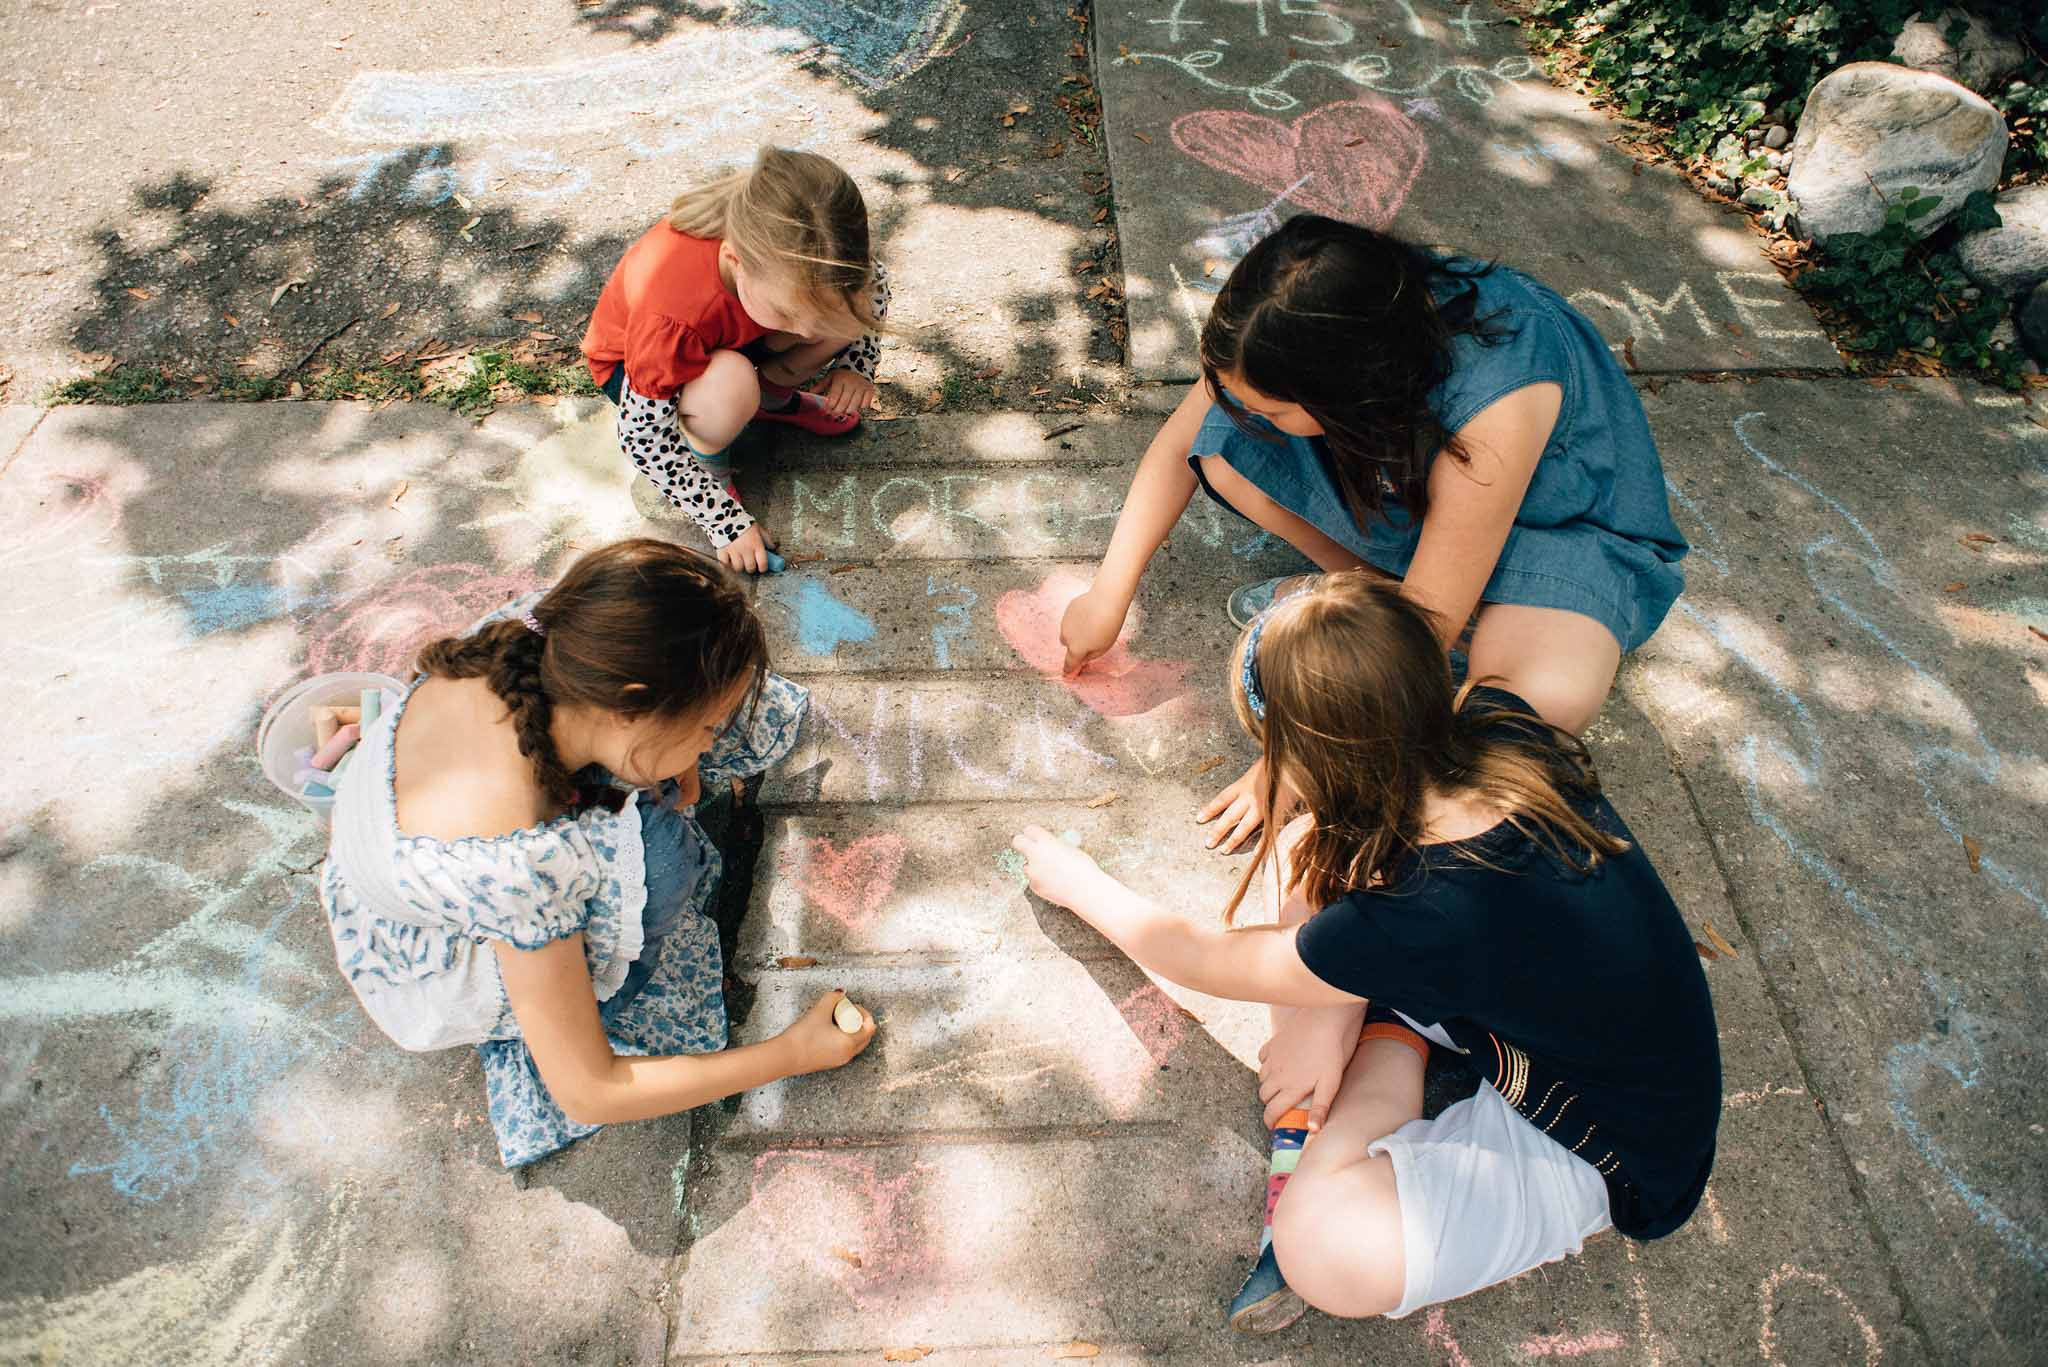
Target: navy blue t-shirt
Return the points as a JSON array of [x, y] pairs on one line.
[[1579, 996]]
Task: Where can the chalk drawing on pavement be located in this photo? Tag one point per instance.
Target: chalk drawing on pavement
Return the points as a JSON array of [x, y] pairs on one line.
[[250, 1294], [701, 71], [1842, 566], [1351, 159]]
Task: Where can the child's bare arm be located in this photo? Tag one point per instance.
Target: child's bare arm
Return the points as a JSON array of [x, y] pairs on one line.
[[1258, 964], [1472, 506], [1159, 494], [556, 1006]]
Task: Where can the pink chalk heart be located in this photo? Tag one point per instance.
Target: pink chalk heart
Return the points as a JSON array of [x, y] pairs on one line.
[[1355, 159], [850, 885], [1116, 684]]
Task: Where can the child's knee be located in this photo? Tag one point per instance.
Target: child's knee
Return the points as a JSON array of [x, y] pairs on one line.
[[1340, 1254], [731, 379]]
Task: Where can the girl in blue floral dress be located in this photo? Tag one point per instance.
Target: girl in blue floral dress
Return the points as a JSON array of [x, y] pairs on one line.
[[516, 863]]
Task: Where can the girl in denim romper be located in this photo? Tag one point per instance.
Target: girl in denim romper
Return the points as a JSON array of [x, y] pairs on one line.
[[1448, 423]]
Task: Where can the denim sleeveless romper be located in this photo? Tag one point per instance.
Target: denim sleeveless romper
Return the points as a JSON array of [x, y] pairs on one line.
[[1594, 533]]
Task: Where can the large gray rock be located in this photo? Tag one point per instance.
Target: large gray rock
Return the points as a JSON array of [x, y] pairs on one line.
[[1982, 58], [1872, 129], [2033, 318], [2013, 257]]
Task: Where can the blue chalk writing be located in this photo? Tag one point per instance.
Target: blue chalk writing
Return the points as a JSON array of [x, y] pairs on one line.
[[956, 624]]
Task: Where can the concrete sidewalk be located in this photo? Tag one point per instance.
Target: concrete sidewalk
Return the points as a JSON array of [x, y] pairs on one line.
[[213, 1153], [1833, 749]]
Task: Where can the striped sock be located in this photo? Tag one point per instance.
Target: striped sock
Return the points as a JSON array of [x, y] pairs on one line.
[[1291, 1135], [1288, 1137]]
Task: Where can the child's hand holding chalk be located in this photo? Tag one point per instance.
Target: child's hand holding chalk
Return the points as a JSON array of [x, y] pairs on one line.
[[820, 1038]]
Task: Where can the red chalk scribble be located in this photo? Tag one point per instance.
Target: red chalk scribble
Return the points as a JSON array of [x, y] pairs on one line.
[[1115, 684], [1572, 1345], [813, 1203], [1352, 159], [381, 629], [850, 885]]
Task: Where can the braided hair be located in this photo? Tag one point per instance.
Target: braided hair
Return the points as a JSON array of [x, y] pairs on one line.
[[639, 628]]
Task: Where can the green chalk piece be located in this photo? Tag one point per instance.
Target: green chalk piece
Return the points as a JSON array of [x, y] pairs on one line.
[[373, 701], [316, 790]]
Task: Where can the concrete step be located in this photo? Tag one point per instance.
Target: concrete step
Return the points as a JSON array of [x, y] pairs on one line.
[[932, 616], [1012, 1041], [868, 885], [999, 737]]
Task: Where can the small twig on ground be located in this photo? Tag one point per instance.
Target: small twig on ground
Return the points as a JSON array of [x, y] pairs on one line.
[[321, 343]]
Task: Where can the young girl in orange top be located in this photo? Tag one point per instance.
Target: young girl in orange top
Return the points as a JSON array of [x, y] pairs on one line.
[[752, 285]]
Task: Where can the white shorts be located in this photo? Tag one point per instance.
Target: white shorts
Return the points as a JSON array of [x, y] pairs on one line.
[[1485, 1196]]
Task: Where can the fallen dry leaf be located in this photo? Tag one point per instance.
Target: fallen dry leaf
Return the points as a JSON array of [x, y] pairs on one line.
[[1973, 852], [279, 292], [545, 336], [1101, 214], [1628, 351], [138, 293], [796, 961], [1956, 587], [846, 1255], [1734, 330], [463, 201], [1142, 137], [988, 374], [1704, 951], [398, 493], [2037, 631], [954, 175], [1079, 1348], [1104, 800], [528, 317], [232, 321], [388, 310], [1978, 539], [474, 219], [1714, 938], [917, 1354], [1206, 765]]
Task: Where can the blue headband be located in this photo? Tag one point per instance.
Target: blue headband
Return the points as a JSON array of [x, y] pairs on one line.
[[1253, 698]]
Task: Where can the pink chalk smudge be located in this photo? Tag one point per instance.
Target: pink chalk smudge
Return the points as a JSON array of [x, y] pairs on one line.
[[1572, 1345], [815, 1204], [382, 628], [1351, 159], [1115, 684], [850, 885]]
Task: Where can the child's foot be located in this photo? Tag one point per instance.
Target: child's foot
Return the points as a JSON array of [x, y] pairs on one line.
[[1252, 599], [807, 411], [1265, 1304]]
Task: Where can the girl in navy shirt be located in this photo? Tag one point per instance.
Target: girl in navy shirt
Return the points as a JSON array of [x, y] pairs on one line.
[[1454, 880]]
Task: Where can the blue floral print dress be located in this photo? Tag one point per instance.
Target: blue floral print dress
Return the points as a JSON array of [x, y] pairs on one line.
[[414, 918]]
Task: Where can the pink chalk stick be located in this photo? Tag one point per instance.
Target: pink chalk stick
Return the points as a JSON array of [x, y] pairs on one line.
[[337, 746]]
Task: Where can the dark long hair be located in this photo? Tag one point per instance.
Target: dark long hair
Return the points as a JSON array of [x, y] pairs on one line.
[[1346, 322], [639, 628], [1362, 718]]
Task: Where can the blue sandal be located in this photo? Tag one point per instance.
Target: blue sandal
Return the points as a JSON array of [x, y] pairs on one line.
[[1265, 1304], [1250, 600]]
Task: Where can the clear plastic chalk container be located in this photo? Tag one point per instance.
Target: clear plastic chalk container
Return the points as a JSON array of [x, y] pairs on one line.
[[287, 729]]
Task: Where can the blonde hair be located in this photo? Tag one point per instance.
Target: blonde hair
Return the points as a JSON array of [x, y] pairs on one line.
[[795, 216], [1360, 717]]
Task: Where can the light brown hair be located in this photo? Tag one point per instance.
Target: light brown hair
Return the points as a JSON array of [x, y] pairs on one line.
[[1361, 719], [639, 628], [794, 216]]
